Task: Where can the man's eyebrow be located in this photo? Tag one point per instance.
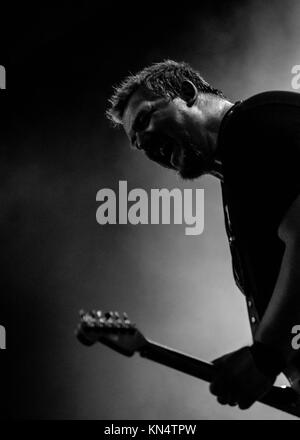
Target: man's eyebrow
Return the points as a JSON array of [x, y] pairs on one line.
[[147, 106]]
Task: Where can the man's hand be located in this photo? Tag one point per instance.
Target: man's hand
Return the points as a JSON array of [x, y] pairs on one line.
[[238, 381]]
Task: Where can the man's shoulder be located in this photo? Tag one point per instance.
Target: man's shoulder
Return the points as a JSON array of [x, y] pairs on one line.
[[273, 97], [267, 112], [262, 133]]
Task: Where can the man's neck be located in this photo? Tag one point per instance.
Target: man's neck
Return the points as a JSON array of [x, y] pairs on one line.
[[216, 108], [217, 170]]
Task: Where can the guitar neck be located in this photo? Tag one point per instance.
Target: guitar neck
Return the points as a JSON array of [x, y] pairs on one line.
[[178, 361], [284, 399]]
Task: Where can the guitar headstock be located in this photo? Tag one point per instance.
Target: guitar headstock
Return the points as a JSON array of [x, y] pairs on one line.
[[111, 329]]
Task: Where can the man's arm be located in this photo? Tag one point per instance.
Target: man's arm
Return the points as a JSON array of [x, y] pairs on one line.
[[248, 373], [283, 311]]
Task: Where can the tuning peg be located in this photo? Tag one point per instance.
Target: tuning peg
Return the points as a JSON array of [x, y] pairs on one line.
[[127, 323], [109, 317], [125, 317], [99, 319], [118, 320], [115, 316], [88, 320], [106, 319]]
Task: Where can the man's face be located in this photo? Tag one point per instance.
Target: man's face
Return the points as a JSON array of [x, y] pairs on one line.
[[170, 133]]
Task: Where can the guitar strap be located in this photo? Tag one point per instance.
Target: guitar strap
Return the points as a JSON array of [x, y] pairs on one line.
[[293, 372], [237, 265]]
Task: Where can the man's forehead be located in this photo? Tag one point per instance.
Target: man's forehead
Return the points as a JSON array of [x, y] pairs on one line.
[[138, 98]]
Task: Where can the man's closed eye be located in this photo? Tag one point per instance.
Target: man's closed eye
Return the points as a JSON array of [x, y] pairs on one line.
[[142, 121]]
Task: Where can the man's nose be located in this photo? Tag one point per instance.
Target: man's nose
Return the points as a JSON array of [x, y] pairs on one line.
[[143, 138]]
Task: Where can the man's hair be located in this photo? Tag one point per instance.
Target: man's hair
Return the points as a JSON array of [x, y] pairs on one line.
[[164, 79]]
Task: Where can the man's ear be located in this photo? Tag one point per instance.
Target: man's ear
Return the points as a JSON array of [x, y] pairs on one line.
[[189, 92]]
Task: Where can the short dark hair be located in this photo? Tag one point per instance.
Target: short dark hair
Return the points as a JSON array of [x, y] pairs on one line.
[[164, 79]]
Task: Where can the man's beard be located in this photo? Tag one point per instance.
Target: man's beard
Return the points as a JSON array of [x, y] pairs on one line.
[[193, 164]]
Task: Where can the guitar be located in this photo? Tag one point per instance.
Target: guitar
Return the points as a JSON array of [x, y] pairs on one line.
[[122, 336]]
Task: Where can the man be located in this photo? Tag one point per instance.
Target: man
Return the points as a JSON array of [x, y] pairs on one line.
[[178, 120]]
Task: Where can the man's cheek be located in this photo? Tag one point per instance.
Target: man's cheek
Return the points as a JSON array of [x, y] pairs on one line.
[[170, 120], [159, 125]]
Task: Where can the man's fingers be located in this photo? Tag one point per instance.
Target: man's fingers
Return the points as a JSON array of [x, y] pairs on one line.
[[245, 404], [219, 386], [222, 400], [232, 401], [223, 394], [213, 388], [237, 380]]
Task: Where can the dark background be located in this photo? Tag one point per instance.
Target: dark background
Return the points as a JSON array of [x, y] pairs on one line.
[[58, 150]]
